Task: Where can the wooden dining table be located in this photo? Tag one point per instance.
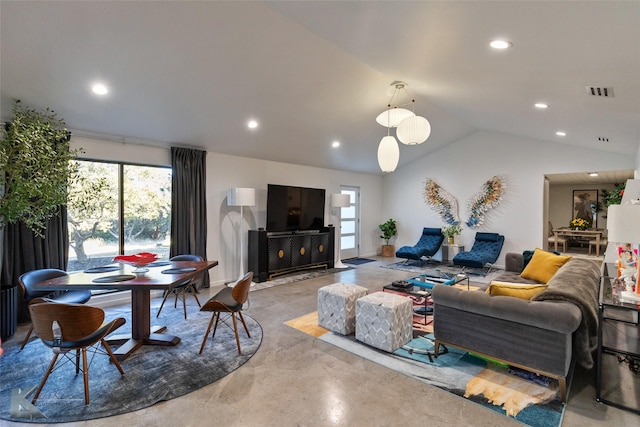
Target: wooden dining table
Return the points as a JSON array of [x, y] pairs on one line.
[[160, 276], [589, 233]]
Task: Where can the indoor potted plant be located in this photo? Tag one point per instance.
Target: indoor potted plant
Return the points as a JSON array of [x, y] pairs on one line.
[[35, 160], [388, 229], [451, 232]]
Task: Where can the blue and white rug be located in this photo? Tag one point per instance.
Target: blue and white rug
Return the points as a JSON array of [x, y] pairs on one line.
[[488, 384]]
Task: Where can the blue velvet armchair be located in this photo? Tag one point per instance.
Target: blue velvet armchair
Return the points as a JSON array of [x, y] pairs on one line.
[[484, 252], [427, 246]]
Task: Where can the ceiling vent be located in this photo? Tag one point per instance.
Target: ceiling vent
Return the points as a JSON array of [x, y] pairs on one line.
[[603, 139], [605, 92]]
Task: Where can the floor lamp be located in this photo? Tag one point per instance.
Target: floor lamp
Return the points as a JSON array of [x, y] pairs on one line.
[[339, 201], [241, 197]]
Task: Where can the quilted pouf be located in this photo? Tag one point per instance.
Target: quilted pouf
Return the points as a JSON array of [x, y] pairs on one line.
[[384, 320], [337, 307]]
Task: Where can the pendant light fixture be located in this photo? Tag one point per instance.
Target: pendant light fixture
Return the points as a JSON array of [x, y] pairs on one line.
[[411, 129], [388, 150]]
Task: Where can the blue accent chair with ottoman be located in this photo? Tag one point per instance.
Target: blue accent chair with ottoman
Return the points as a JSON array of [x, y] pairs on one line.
[[427, 246], [484, 252]]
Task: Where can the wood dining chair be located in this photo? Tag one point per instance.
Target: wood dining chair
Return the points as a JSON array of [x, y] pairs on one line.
[[73, 328], [229, 300]]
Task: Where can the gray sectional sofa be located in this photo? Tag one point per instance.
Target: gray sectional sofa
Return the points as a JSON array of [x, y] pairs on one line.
[[546, 334]]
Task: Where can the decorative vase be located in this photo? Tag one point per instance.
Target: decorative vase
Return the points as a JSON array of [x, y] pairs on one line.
[[451, 240]]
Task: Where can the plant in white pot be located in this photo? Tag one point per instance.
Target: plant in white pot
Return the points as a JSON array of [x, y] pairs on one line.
[[389, 229], [35, 169]]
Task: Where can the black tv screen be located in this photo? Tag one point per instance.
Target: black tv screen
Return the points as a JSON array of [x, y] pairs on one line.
[[294, 208]]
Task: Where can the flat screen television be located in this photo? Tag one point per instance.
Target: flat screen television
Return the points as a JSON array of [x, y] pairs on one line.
[[294, 208]]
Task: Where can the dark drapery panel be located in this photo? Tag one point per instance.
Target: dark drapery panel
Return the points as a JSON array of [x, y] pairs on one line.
[[24, 251], [189, 204]]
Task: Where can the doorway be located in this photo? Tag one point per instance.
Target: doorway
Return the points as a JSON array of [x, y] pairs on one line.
[[350, 224]]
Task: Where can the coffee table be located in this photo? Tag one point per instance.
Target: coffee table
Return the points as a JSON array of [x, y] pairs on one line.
[[412, 291], [427, 281]]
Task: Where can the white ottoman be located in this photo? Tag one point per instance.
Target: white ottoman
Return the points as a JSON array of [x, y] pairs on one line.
[[384, 320], [337, 307]]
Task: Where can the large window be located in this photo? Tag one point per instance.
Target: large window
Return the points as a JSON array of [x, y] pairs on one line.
[[117, 208]]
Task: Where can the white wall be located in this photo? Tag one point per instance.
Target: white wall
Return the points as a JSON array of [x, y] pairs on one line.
[[224, 172], [462, 167]]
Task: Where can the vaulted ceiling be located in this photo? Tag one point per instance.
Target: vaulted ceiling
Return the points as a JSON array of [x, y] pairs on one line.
[[193, 73]]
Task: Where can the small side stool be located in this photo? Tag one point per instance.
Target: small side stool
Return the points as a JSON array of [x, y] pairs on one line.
[[384, 320], [337, 306]]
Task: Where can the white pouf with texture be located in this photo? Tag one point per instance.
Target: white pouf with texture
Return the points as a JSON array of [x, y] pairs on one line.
[[337, 307], [384, 320]]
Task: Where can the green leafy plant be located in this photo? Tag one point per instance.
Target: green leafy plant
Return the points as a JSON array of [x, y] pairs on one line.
[[452, 231], [35, 163], [388, 229], [614, 197]]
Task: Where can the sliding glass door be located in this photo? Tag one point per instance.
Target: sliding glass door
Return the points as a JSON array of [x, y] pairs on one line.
[[117, 208]]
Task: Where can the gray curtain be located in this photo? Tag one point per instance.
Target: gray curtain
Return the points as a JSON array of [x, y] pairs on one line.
[[189, 204], [24, 251]]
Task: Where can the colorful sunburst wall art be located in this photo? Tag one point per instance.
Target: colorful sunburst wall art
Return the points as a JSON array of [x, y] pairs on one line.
[[487, 198], [478, 205], [442, 202]]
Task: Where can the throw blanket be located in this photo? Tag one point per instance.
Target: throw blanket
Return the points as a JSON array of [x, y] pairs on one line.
[[577, 282]]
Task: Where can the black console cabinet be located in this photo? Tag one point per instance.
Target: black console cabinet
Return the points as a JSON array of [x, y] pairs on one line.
[[271, 254]]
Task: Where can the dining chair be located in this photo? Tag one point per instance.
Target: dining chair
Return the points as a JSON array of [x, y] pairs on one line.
[[30, 294], [181, 290], [552, 240], [228, 300], [72, 328]]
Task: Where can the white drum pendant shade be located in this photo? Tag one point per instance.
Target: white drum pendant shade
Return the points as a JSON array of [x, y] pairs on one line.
[[388, 154], [393, 117], [413, 130]]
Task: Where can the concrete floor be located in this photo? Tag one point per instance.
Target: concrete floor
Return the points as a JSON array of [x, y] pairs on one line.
[[297, 380]]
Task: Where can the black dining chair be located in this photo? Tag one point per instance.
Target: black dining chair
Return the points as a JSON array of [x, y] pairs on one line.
[[29, 294], [184, 288]]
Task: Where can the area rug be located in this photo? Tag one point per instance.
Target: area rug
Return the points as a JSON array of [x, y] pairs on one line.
[[488, 384], [357, 261], [435, 268], [516, 394], [152, 373], [296, 277]]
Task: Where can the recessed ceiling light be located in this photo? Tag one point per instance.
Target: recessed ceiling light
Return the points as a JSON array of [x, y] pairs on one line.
[[335, 144], [561, 133], [541, 105], [500, 44], [593, 173], [252, 124], [99, 89]]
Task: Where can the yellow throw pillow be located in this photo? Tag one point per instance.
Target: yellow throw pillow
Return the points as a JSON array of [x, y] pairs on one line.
[[517, 290], [543, 265]]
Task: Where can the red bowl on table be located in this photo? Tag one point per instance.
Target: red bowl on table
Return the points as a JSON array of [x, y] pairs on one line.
[[138, 260]]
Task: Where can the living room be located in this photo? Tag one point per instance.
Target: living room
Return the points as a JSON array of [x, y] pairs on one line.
[[463, 152]]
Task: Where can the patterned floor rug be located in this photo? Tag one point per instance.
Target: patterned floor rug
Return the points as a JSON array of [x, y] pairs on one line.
[[152, 374], [295, 277], [535, 403], [531, 400]]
